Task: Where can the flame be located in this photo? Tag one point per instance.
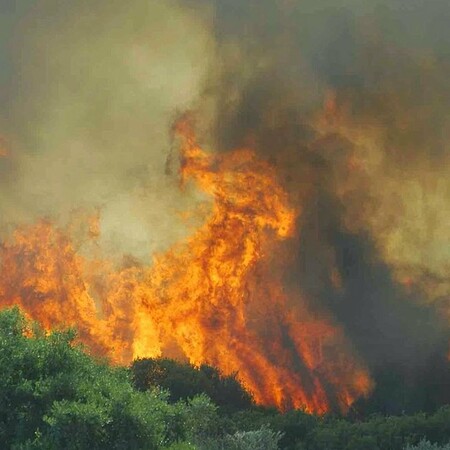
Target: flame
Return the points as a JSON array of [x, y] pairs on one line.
[[218, 298], [42, 273]]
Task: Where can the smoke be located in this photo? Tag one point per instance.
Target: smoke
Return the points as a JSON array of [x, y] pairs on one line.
[[86, 111]]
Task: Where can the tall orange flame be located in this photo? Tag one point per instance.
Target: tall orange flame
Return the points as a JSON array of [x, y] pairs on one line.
[[219, 298]]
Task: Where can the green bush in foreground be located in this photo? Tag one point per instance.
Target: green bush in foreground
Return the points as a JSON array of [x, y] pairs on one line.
[[55, 396]]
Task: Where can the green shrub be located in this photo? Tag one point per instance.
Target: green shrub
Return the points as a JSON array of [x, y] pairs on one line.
[[185, 381], [426, 445], [262, 439], [53, 395]]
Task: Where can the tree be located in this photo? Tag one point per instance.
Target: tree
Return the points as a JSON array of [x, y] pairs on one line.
[[53, 395], [184, 381]]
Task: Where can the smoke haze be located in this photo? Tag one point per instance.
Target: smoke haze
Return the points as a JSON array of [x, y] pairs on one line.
[[91, 96]]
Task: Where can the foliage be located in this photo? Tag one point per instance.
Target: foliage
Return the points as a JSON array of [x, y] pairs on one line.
[[53, 395], [304, 432], [181, 446], [426, 445], [262, 439], [184, 381]]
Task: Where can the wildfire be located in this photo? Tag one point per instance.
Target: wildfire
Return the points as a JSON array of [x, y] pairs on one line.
[[218, 298]]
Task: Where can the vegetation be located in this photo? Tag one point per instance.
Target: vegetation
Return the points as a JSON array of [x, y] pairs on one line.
[[426, 445], [53, 395], [184, 381]]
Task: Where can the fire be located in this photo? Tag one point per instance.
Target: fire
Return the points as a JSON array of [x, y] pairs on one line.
[[42, 273], [218, 298]]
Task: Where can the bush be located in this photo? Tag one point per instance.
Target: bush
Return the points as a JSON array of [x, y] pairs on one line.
[[53, 396], [181, 446], [184, 381], [262, 439], [426, 445]]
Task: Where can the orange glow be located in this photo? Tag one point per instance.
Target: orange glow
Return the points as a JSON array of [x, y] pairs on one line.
[[218, 298]]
